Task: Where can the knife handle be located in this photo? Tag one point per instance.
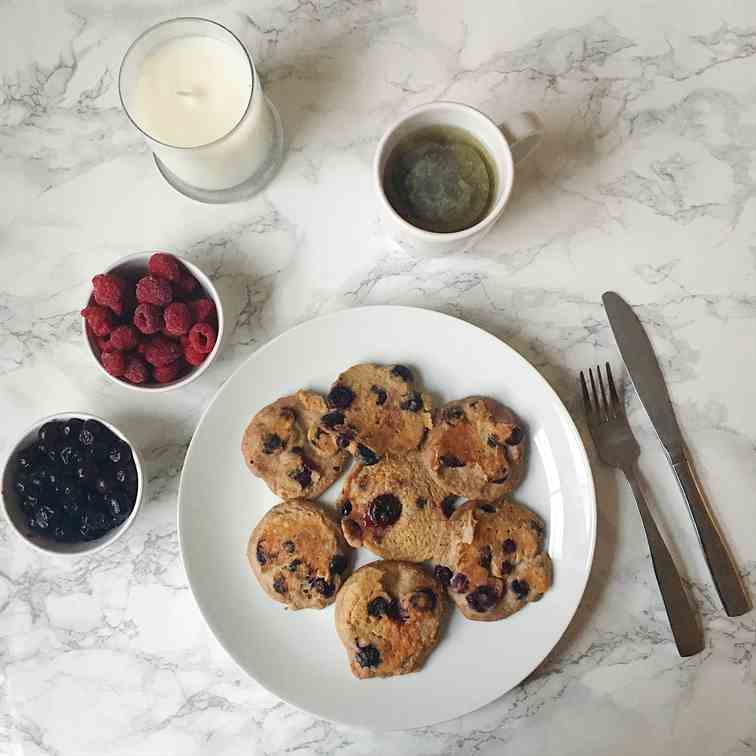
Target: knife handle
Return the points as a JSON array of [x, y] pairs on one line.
[[718, 557]]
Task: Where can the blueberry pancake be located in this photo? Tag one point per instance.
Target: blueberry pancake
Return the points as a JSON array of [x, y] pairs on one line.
[[375, 409], [284, 446], [388, 616], [298, 554], [495, 563], [476, 448], [394, 508]]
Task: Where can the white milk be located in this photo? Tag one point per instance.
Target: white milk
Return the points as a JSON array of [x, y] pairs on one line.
[[186, 84]]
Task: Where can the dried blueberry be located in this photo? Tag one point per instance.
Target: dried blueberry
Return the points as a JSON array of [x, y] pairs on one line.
[[509, 546], [380, 395], [70, 456], [453, 414], [48, 453], [288, 547], [368, 656], [86, 471], [98, 521], [378, 607], [485, 557], [367, 456], [447, 506], [280, 585], [515, 437], [71, 506], [262, 557], [483, 598], [506, 567], [292, 566], [420, 502], [344, 439], [423, 599], [71, 428], [271, 443], [489, 508], [521, 588], [339, 397], [26, 459], [22, 485], [44, 516], [459, 582], [50, 433], [103, 485], [412, 402], [332, 419], [384, 510], [323, 587], [403, 372], [444, 574], [493, 441], [346, 507], [303, 476], [449, 460], [338, 564]]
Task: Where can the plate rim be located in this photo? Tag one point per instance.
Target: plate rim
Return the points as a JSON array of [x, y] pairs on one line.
[[570, 426]]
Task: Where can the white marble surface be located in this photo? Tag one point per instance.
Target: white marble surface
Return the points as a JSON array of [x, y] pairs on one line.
[[646, 183]]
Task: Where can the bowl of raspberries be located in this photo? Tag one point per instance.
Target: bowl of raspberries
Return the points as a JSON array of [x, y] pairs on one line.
[[153, 321]]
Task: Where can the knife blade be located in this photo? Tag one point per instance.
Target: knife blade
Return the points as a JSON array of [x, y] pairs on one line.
[[643, 367], [640, 360]]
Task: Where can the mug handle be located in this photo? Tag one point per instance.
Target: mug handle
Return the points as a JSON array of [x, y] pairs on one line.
[[524, 133]]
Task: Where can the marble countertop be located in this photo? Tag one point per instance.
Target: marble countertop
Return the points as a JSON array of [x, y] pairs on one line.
[[646, 183]]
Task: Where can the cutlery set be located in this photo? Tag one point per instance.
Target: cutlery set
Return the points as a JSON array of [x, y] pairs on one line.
[[617, 447]]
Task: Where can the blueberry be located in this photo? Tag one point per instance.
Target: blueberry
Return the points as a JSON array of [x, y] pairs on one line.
[[303, 476], [368, 656], [339, 397], [50, 432], [86, 471], [48, 453], [488, 508], [482, 599], [98, 451], [103, 485], [86, 436], [288, 546], [423, 599], [38, 477], [506, 567], [332, 419], [515, 437], [380, 395], [493, 441], [119, 452], [384, 510], [367, 456], [71, 506], [420, 502], [70, 456], [521, 588], [509, 546], [447, 506], [453, 414], [444, 574], [22, 485], [338, 564], [45, 516], [485, 557], [262, 557], [30, 501], [26, 459], [378, 607], [71, 428], [323, 587], [459, 582], [280, 585], [64, 532], [346, 508], [272, 442], [403, 372], [412, 402], [344, 439], [292, 566], [118, 506], [449, 460]]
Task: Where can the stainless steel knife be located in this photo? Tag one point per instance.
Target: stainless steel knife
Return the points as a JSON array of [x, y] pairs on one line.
[[641, 363]]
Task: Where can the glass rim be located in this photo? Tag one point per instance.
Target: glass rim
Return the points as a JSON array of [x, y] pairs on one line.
[[252, 69]]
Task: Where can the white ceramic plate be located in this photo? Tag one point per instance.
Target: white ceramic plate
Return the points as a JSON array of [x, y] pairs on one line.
[[297, 655]]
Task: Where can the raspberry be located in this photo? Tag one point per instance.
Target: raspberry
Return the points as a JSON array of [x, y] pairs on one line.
[[99, 319], [154, 290], [136, 369], [186, 283], [192, 356], [178, 319], [108, 291], [202, 338], [202, 310], [148, 318], [124, 338], [142, 346], [161, 351], [103, 342], [114, 363], [164, 266], [167, 373]]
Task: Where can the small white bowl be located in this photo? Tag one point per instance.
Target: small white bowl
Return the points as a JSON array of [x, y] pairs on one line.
[[135, 265], [15, 516]]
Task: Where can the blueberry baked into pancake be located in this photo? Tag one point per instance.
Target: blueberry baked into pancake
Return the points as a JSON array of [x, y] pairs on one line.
[[375, 409], [394, 508], [476, 448], [388, 616], [495, 563], [284, 446], [298, 555]]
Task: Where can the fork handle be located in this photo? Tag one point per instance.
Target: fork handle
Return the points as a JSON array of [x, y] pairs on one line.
[[682, 619]]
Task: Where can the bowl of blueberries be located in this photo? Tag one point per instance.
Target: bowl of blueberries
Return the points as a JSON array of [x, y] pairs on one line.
[[72, 484]]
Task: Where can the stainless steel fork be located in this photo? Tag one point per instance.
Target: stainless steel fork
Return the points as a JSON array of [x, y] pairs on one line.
[[617, 447]]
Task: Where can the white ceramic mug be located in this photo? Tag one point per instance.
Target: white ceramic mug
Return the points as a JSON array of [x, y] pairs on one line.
[[524, 133]]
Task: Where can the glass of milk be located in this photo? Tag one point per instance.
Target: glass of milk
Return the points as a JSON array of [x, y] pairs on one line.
[[190, 86]]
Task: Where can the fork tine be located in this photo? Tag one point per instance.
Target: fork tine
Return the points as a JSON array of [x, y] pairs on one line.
[[586, 398], [596, 402], [612, 390], [607, 408]]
